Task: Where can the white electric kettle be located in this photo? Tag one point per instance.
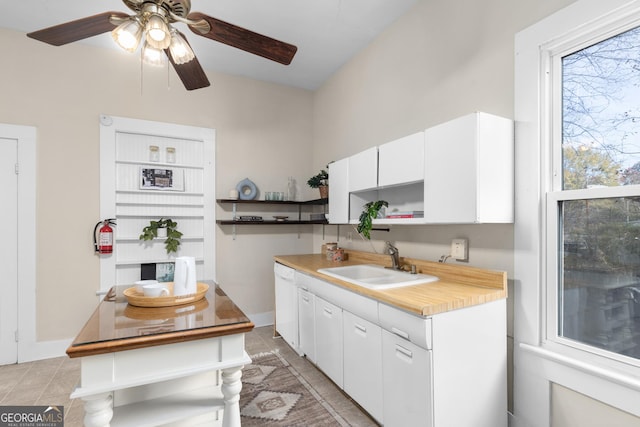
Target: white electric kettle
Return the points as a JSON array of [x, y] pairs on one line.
[[184, 276]]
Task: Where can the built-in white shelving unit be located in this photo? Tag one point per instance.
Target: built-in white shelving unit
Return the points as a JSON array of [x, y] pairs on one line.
[[133, 201]]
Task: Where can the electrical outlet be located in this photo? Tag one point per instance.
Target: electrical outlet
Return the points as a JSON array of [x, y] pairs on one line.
[[459, 249]]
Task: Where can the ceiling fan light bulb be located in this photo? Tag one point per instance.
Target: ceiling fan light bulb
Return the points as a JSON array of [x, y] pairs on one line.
[[152, 56], [180, 50], [127, 35], [157, 32]]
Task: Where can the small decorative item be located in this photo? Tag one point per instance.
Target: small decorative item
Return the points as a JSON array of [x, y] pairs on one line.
[[321, 182], [369, 213], [247, 189], [171, 155], [154, 153], [169, 227], [166, 179]]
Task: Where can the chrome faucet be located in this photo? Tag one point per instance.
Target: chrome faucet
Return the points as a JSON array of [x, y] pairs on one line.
[[395, 256]]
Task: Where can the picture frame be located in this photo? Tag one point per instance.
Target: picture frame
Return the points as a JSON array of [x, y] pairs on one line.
[[162, 179]]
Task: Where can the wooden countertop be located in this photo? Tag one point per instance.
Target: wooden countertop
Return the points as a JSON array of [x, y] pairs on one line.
[[117, 326], [458, 287]]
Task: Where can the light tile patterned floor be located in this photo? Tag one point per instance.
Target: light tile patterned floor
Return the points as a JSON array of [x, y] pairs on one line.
[[49, 382]]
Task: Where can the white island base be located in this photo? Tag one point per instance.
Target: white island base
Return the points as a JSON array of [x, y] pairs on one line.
[[181, 384]]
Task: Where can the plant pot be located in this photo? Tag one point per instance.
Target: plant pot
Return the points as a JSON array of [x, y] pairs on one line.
[[162, 233], [324, 191]]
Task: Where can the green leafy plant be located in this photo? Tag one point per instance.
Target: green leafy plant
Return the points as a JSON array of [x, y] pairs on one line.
[[319, 180], [369, 213], [172, 241]]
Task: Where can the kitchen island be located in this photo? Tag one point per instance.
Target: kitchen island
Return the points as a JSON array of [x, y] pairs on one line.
[[146, 366]]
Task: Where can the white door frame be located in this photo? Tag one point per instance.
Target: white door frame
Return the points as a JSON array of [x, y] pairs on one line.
[[26, 250]]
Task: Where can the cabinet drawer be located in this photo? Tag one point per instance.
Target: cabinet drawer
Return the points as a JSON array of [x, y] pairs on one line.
[[416, 329]]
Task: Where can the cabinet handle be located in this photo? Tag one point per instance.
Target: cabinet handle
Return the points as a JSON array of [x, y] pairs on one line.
[[328, 311], [305, 299], [404, 351], [361, 328], [400, 333]]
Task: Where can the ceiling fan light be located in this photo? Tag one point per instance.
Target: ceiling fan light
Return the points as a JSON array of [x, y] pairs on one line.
[[128, 34], [180, 50], [157, 32], [152, 56]]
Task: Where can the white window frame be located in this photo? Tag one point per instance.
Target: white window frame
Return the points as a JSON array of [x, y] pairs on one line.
[[540, 361], [552, 112]]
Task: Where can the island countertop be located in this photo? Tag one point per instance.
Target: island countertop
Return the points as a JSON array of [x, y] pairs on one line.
[[457, 287], [117, 326]]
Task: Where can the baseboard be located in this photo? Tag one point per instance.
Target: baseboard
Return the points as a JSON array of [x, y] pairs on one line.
[[262, 319], [28, 352]]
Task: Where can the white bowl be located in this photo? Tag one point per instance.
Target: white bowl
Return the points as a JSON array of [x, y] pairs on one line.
[[140, 283]]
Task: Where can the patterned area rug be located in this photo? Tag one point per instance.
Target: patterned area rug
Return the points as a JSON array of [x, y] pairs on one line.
[[274, 394]]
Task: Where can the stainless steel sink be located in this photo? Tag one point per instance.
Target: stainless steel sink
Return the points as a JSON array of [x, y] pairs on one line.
[[376, 277]]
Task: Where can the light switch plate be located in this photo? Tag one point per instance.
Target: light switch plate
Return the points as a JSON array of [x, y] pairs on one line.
[[460, 249]]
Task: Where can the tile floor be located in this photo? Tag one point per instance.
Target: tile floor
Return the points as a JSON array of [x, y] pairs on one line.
[[49, 382]]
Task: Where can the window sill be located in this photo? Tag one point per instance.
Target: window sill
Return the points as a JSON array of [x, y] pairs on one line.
[[619, 378]]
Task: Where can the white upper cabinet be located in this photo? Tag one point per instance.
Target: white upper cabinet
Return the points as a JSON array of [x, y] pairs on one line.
[[469, 170], [401, 161], [363, 170], [458, 172], [339, 192]]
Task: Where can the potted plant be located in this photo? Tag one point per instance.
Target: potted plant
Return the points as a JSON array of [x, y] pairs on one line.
[[163, 228], [369, 213], [321, 182]]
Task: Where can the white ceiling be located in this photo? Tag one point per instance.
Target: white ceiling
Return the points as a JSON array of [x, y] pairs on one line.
[[327, 32]]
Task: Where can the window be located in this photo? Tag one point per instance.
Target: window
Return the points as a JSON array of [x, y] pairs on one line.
[[593, 208]]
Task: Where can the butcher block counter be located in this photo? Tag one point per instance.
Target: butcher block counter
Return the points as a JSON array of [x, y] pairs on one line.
[[457, 287]]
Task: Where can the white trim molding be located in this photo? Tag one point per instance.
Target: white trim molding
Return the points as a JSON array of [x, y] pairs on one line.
[[537, 365]]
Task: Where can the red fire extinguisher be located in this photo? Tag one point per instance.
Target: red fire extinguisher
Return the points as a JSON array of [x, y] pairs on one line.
[[103, 240]]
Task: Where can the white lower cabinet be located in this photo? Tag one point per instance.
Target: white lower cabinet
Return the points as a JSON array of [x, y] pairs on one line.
[[329, 340], [449, 369], [407, 394], [286, 305], [363, 363], [307, 323]]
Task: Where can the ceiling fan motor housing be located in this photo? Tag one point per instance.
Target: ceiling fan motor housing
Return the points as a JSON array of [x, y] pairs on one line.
[[180, 8]]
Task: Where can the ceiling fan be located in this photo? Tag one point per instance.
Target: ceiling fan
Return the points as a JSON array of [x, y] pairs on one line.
[[151, 24]]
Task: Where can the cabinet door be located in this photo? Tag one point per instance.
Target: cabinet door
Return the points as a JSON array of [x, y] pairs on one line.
[[407, 383], [286, 304], [401, 161], [363, 363], [329, 343], [339, 192], [306, 324], [363, 170], [469, 170]]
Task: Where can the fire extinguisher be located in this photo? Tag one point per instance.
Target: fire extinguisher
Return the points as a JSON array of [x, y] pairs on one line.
[[103, 240]]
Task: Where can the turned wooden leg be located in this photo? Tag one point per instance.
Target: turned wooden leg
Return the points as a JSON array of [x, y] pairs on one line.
[[98, 410], [231, 386]]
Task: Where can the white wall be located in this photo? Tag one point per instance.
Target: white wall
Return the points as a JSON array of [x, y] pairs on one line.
[[62, 91]]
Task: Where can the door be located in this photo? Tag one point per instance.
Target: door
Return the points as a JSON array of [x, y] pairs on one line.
[[9, 250], [363, 363], [329, 341]]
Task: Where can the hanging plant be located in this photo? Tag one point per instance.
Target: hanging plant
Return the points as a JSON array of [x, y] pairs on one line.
[[369, 213], [172, 240]]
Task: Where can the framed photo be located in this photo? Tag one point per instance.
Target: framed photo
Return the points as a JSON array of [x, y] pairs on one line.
[[166, 179]]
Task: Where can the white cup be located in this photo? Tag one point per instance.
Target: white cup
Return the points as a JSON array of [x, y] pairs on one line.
[[140, 283], [155, 290]]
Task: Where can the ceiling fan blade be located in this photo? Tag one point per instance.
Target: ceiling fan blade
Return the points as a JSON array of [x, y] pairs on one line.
[[244, 39], [191, 73], [79, 29]]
